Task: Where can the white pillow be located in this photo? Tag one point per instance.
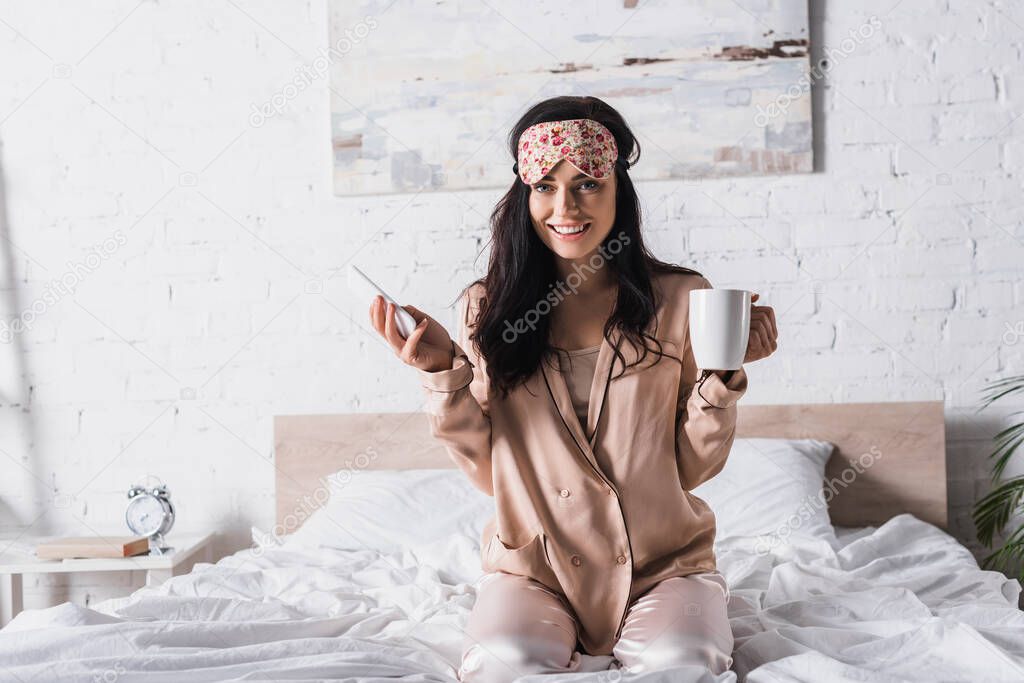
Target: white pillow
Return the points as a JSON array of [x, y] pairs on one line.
[[768, 487], [390, 510], [772, 488]]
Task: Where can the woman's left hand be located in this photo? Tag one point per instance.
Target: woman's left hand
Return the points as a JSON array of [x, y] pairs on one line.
[[763, 332]]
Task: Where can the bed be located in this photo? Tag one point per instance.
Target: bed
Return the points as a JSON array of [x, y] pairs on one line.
[[882, 594]]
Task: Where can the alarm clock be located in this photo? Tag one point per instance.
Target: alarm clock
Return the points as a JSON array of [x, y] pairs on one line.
[[151, 514]]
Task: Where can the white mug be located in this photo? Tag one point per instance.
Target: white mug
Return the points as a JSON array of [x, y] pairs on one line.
[[719, 327]]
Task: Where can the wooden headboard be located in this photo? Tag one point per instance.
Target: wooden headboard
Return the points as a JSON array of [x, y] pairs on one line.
[[903, 445]]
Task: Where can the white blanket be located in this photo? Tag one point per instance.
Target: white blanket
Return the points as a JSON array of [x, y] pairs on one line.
[[903, 602]]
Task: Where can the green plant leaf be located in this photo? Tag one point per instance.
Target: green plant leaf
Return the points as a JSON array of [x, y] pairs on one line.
[[1009, 555], [1000, 388], [994, 510], [1007, 442], [992, 513]]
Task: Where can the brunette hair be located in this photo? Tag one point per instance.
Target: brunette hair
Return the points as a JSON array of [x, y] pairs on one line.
[[521, 270]]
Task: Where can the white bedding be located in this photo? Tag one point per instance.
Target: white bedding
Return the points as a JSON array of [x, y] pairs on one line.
[[903, 602]]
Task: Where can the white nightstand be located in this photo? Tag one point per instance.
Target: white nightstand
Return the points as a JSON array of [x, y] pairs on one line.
[[188, 549]]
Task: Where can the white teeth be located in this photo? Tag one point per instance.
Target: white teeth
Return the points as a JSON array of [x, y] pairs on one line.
[[567, 230]]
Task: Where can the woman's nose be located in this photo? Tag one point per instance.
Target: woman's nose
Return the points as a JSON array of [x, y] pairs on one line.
[[565, 202]]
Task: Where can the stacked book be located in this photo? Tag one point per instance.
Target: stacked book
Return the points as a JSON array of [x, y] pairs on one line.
[[92, 546]]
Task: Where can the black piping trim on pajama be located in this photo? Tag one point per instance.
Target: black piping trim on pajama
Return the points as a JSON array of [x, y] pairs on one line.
[[597, 425], [618, 500]]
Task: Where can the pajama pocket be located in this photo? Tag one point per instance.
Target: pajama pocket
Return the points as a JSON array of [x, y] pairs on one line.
[[529, 559]]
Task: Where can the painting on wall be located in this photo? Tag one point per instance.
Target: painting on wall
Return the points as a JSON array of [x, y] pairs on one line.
[[424, 94]]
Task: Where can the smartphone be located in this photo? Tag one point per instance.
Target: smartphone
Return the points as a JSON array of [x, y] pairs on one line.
[[362, 285]]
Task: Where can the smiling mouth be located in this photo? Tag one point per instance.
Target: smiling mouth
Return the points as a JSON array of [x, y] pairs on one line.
[[569, 229]]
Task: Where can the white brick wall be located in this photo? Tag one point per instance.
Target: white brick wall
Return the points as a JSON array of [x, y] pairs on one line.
[[895, 270]]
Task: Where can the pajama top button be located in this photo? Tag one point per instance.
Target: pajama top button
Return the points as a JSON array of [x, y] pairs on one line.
[[576, 560], [621, 559], [564, 493]]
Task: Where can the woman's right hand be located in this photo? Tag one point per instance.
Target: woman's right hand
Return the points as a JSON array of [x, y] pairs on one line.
[[428, 347]]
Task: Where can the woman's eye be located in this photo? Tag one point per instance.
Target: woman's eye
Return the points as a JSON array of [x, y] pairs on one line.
[[588, 185]]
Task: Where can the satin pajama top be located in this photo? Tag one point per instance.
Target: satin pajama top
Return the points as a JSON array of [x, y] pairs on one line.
[[597, 509]]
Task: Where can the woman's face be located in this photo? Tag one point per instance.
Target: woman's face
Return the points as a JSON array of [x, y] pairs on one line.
[[568, 198]]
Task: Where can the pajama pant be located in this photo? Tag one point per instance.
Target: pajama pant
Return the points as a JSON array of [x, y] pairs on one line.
[[518, 626]]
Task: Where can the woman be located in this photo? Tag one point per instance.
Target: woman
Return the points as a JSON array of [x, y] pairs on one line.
[[597, 539]]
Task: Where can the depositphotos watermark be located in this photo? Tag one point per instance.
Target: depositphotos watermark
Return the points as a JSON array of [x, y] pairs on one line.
[[56, 289], [529, 320], [110, 675], [1014, 333], [821, 500], [308, 73], [817, 72], [313, 501]]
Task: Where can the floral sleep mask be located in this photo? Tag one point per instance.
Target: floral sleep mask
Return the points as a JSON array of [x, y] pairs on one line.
[[584, 143]]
